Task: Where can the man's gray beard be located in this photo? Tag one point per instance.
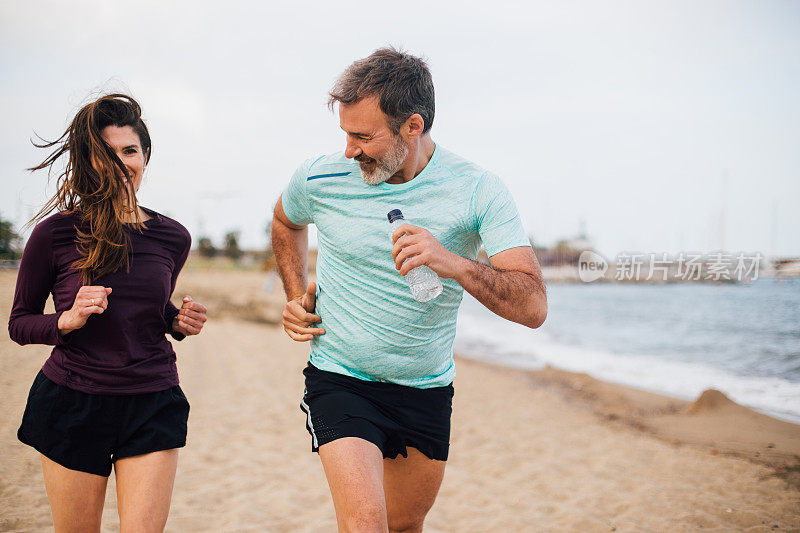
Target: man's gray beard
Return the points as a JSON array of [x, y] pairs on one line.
[[385, 169]]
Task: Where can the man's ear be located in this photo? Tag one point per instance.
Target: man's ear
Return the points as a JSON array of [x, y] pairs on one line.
[[415, 125]]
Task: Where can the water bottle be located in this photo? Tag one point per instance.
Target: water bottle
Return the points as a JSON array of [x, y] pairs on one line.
[[425, 285]]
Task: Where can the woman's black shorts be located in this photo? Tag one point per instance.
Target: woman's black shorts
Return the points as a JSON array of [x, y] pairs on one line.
[[388, 415], [88, 432]]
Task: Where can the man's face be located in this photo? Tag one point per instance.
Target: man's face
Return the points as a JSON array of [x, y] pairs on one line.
[[379, 152]]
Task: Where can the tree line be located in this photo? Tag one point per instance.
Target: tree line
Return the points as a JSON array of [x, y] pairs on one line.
[[230, 245], [10, 241]]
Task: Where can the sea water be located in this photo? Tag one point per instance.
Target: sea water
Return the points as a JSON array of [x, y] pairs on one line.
[[677, 339]]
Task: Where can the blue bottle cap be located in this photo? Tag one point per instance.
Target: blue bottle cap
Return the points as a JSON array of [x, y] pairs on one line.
[[394, 214]]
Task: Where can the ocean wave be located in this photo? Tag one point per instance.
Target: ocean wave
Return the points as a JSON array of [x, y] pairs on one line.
[[489, 338]]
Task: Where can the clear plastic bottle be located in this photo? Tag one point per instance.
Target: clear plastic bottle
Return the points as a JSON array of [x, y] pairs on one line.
[[425, 285]]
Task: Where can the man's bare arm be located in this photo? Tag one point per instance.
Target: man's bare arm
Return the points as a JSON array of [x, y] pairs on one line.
[[512, 287], [290, 244]]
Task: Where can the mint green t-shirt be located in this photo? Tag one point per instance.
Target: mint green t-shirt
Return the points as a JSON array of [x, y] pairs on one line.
[[375, 330]]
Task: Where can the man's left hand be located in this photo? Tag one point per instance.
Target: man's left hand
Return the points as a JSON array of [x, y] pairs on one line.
[[190, 318], [415, 246]]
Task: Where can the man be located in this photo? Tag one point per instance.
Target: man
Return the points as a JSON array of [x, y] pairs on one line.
[[378, 384]]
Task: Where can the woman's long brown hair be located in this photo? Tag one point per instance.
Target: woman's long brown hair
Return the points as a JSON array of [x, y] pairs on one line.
[[93, 183]]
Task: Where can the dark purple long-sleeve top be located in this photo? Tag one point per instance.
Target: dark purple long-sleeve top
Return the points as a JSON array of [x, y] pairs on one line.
[[123, 350]]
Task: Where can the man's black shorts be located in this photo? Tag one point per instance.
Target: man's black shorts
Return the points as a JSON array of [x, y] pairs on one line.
[[388, 415], [88, 432]]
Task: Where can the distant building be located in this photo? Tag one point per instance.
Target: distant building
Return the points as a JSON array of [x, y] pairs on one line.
[[788, 267], [566, 252]]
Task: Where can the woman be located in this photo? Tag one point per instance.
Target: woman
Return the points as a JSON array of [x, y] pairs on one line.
[[108, 394]]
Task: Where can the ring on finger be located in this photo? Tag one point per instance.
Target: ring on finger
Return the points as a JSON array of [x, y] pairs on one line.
[[92, 300]]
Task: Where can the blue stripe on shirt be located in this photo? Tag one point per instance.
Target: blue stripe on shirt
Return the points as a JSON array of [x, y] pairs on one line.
[[327, 175]]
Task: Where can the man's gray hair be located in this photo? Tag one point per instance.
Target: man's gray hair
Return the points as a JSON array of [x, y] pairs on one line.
[[402, 83]]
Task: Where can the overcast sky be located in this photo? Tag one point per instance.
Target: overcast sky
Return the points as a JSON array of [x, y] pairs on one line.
[[663, 126]]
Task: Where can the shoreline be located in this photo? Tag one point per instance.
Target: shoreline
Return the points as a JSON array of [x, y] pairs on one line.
[[781, 416], [712, 422]]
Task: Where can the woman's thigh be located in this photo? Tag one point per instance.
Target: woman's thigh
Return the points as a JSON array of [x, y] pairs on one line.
[[76, 498], [144, 490]]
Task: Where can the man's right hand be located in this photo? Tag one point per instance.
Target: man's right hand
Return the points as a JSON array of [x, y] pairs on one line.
[[298, 316], [88, 301]]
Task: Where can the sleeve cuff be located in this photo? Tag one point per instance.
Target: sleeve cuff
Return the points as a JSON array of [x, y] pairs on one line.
[[169, 315], [57, 338]]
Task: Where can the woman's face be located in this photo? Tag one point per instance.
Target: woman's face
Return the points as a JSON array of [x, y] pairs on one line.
[[126, 144]]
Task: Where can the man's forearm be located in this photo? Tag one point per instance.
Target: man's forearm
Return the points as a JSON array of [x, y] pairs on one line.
[[291, 254], [517, 296]]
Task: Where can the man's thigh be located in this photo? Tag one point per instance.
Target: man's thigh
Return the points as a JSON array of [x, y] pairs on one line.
[[354, 468], [410, 485]]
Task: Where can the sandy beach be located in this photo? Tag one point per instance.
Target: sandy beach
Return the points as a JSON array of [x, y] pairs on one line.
[[531, 451]]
